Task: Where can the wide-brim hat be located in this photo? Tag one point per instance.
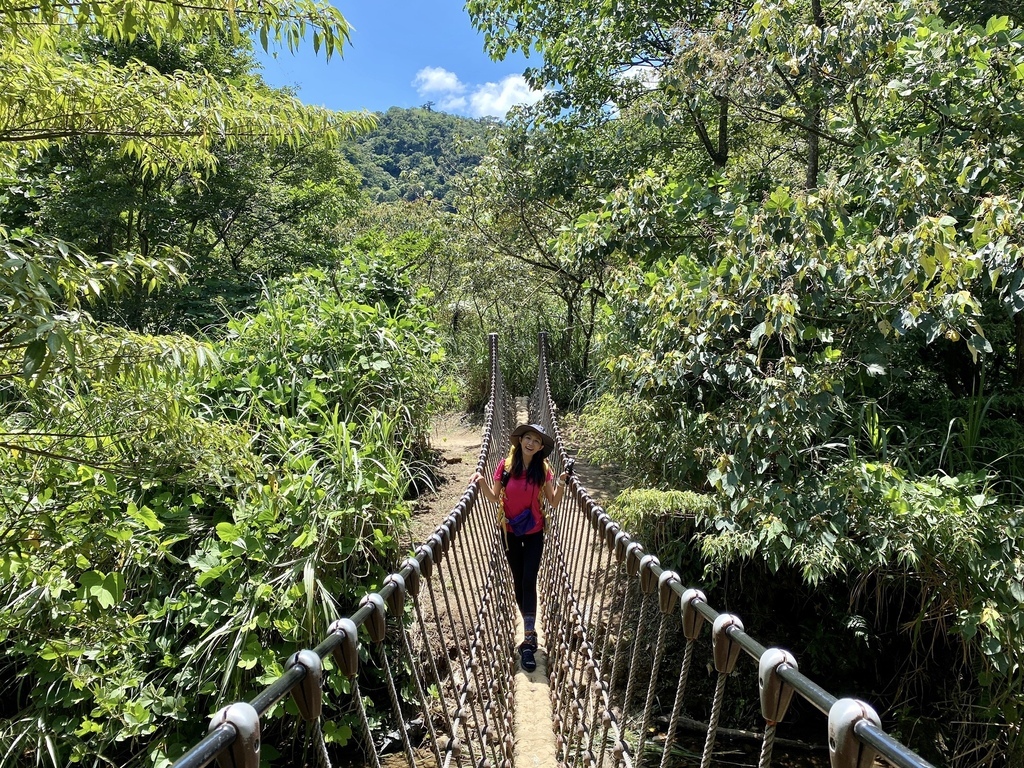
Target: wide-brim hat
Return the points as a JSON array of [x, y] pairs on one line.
[[548, 440]]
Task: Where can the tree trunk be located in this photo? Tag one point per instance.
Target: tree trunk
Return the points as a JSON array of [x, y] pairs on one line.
[[813, 148], [723, 132], [718, 151], [814, 113], [1018, 369]]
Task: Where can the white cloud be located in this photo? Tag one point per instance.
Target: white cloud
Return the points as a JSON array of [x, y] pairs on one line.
[[646, 75], [497, 99], [437, 80], [452, 104], [488, 99]]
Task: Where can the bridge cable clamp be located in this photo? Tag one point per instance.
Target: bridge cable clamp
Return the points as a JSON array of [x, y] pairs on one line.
[[727, 650], [621, 542], [376, 624], [445, 532], [437, 546], [308, 694], [244, 751], [611, 533], [776, 693], [396, 598], [412, 581], [634, 553], [346, 653], [427, 563], [648, 583], [845, 750], [456, 518], [693, 620], [667, 595]]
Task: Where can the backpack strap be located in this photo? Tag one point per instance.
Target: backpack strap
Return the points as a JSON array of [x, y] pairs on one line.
[[505, 475]]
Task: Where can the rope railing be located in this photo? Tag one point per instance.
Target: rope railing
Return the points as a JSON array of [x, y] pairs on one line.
[[612, 614], [608, 619], [460, 588]]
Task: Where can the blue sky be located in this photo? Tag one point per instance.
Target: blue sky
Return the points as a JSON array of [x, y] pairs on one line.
[[404, 53]]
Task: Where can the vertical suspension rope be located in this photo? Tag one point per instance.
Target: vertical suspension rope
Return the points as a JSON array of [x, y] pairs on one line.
[[651, 687], [323, 759], [677, 705], [397, 707], [765, 760], [634, 660], [459, 715], [452, 734], [716, 711], [361, 705], [417, 677]]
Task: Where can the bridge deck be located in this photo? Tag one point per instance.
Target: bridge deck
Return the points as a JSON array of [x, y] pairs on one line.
[[620, 635]]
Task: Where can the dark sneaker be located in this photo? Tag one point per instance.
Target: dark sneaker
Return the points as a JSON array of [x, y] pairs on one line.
[[526, 658], [531, 640]]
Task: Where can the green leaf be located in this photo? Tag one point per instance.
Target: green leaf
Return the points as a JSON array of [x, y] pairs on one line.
[[212, 574], [144, 515], [106, 589], [228, 532], [305, 538], [997, 24]]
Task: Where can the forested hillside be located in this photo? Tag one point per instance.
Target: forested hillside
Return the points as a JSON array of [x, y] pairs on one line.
[[779, 248], [415, 153]]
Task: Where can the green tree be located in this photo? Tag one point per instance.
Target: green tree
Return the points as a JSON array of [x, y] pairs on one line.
[[176, 518], [54, 92], [415, 153]]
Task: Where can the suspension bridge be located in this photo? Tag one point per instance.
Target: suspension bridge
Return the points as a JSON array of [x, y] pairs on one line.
[[616, 630]]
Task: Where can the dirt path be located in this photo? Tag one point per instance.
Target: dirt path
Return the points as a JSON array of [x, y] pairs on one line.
[[456, 438]]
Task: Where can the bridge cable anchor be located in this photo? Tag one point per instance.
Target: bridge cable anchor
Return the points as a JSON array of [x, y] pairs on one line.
[[845, 750], [308, 694], [244, 751], [776, 693]]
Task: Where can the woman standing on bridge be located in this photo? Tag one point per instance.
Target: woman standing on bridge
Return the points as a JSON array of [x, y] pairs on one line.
[[517, 485]]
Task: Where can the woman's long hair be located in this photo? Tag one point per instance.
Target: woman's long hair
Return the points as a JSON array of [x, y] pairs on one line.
[[535, 473]]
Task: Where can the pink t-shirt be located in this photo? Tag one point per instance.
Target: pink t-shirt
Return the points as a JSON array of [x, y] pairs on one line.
[[520, 494]]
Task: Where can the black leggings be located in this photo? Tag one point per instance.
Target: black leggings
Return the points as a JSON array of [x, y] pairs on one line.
[[523, 553]]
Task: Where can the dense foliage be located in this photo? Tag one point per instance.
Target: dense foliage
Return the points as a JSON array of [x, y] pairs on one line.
[[179, 513], [779, 248], [175, 524], [416, 153], [811, 279]]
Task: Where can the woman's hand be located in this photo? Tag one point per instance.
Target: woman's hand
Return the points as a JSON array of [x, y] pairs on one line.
[[554, 495], [480, 480]]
